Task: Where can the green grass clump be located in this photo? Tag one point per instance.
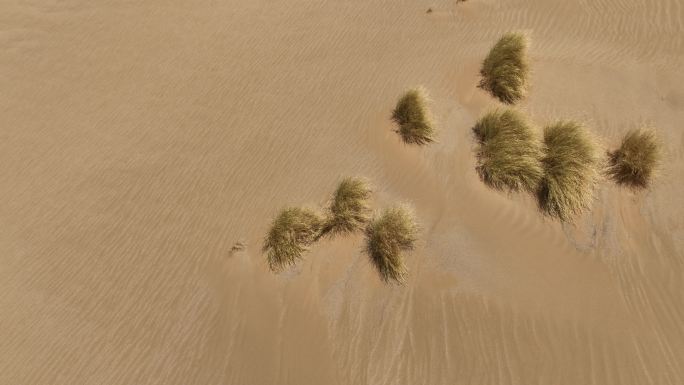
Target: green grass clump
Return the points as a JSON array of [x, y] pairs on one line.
[[413, 117], [390, 234], [509, 153], [571, 168], [291, 233], [635, 162], [505, 69], [348, 210]]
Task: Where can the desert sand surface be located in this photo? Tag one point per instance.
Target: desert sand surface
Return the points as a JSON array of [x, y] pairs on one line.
[[141, 140]]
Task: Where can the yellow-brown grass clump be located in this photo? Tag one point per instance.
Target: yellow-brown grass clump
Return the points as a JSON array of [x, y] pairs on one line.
[[509, 152], [388, 236], [413, 117], [571, 168], [293, 230], [636, 161], [349, 209], [505, 69]]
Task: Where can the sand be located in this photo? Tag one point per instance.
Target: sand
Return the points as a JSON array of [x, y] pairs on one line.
[[141, 140]]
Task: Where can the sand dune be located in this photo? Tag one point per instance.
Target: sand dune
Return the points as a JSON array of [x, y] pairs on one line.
[[142, 140]]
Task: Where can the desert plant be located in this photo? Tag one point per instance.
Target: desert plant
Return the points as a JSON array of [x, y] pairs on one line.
[[413, 118], [291, 233], [635, 162], [509, 152], [348, 210], [505, 69], [571, 168], [388, 236]]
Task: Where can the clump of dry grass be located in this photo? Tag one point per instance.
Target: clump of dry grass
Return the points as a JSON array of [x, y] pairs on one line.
[[505, 69], [509, 153], [636, 161], [349, 209], [291, 233], [388, 236], [413, 117], [571, 168]]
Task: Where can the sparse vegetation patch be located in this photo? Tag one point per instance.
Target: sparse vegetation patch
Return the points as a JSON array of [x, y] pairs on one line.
[[505, 69], [508, 153], [635, 162], [413, 117], [349, 207], [291, 233], [388, 236], [571, 164]]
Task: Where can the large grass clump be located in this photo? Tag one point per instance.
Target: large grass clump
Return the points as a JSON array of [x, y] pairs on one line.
[[571, 167], [349, 208], [509, 153], [291, 233], [388, 236], [505, 69], [635, 162], [413, 117]]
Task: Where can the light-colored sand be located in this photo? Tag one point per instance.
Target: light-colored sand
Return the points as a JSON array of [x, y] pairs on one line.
[[140, 140]]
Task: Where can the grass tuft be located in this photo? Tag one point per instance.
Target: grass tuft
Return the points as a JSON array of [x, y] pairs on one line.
[[636, 161], [291, 233], [390, 234], [349, 209], [413, 117], [509, 153], [571, 168], [505, 69]]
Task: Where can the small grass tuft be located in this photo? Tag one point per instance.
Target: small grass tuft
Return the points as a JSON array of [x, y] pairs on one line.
[[291, 233], [348, 210], [571, 168], [636, 161], [509, 153], [505, 69], [390, 234], [413, 117]]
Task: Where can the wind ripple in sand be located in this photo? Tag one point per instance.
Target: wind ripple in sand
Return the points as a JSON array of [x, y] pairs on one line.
[[141, 140]]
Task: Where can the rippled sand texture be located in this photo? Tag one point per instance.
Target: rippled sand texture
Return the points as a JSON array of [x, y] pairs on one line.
[[140, 140]]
